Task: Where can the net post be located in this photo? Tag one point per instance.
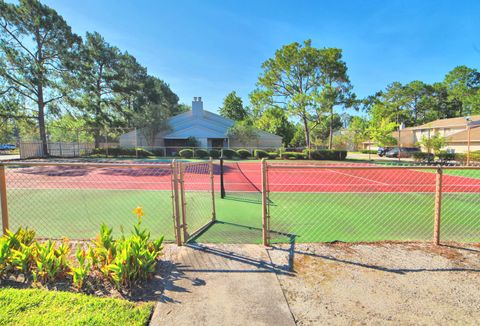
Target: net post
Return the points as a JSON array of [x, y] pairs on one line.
[[222, 183], [176, 204], [265, 217], [212, 188], [438, 206], [3, 199]]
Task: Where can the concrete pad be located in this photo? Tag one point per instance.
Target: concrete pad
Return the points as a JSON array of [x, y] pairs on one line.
[[221, 285]]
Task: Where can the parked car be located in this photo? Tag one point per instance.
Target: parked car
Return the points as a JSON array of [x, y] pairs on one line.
[[7, 147], [402, 152], [383, 150]]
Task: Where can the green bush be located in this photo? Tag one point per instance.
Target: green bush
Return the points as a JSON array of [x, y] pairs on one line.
[[326, 154], [201, 153], [422, 157], [260, 154], [293, 156], [444, 156], [215, 153], [229, 153], [186, 153], [368, 151], [159, 152], [243, 153], [272, 155]]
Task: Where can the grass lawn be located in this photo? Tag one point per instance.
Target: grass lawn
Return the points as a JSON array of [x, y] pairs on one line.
[[43, 307], [303, 217]]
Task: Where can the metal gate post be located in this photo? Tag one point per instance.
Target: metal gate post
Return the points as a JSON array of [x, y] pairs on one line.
[[3, 199], [176, 204], [212, 187], [183, 204], [265, 210], [438, 207]]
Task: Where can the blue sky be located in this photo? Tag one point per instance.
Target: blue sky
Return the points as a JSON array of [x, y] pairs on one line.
[[209, 48]]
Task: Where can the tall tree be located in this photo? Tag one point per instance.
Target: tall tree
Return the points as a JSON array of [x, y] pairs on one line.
[[275, 121], [156, 103], [233, 107], [100, 73], [305, 81], [463, 84], [36, 45]]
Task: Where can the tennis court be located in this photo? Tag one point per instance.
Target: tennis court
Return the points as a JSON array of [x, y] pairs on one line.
[[305, 205]]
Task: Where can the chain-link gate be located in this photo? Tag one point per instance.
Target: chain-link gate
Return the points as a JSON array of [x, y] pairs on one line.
[[194, 198]]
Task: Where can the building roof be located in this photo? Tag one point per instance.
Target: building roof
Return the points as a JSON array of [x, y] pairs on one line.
[[447, 123], [462, 136]]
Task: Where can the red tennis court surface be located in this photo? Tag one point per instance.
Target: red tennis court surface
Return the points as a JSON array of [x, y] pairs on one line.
[[238, 177]]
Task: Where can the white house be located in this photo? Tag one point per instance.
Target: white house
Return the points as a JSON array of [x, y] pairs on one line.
[[209, 129]]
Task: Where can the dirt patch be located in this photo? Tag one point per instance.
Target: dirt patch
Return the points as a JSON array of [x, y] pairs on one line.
[[387, 283]]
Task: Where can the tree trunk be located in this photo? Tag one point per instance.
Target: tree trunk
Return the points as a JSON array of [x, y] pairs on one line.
[[307, 134], [41, 121]]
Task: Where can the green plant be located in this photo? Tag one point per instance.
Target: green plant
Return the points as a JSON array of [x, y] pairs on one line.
[[368, 151], [22, 258], [292, 156], [186, 153], [423, 157], [260, 154], [243, 153], [201, 153], [50, 262], [215, 153], [272, 155], [4, 255], [328, 155], [79, 273], [229, 153]]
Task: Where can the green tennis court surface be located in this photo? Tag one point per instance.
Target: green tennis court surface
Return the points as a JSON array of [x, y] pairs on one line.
[[300, 217]]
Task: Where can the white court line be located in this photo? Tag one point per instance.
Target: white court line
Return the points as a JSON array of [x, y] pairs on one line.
[[362, 178]]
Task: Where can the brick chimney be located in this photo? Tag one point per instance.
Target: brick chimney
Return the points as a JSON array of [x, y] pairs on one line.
[[197, 107]]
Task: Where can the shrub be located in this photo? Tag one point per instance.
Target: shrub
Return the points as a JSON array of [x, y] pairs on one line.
[[141, 152], [368, 151], [158, 152], [444, 156], [243, 153], [423, 157], [260, 154], [215, 153], [229, 153], [186, 153], [292, 156], [328, 155], [272, 155], [201, 153]]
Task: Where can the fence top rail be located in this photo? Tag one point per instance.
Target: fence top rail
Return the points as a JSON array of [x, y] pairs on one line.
[[93, 165], [370, 167]]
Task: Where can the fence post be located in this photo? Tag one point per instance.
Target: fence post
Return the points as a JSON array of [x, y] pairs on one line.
[[438, 207], [183, 203], [3, 199], [265, 215], [212, 186], [176, 204]]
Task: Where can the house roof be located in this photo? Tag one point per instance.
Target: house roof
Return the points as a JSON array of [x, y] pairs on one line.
[[447, 123], [208, 124], [462, 136]]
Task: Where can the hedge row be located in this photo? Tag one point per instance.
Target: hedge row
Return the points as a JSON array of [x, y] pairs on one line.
[[119, 151]]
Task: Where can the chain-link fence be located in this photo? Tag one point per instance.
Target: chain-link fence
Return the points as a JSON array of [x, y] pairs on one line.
[[319, 203], [73, 199]]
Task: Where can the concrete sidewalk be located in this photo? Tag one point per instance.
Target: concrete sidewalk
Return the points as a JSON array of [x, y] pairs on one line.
[[221, 285]]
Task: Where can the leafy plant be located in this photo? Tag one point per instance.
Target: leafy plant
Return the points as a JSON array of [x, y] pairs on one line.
[[243, 153], [186, 153], [4, 255], [79, 273], [50, 261], [22, 258]]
